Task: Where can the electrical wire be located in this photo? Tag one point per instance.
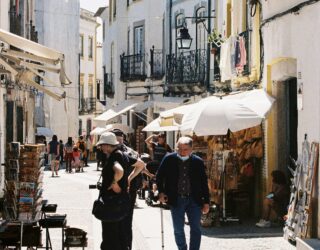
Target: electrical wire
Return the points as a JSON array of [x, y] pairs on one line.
[[294, 9]]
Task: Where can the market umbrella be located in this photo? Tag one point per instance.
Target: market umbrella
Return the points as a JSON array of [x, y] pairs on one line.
[[47, 132], [109, 127], [216, 115], [97, 131], [125, 129], [155, 126], [168, 120]]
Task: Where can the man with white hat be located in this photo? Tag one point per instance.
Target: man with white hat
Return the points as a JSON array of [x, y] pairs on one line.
[[114, 179]]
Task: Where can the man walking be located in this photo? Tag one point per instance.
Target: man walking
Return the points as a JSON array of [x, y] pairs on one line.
[[183, 185]]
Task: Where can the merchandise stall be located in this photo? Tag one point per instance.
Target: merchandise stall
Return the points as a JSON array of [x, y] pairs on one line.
[[233, 163], [25, 213]]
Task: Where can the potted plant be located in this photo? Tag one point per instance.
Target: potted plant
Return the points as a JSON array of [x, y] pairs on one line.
[[215, 38]]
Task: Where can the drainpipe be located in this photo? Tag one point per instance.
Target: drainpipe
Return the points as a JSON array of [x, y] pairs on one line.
[[170, 28], [208, 46]]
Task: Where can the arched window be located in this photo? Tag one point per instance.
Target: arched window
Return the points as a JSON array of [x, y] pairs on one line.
[[201, 30], [89, 126], [80, 127]]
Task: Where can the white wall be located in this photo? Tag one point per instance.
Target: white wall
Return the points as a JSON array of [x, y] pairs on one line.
[[57, 23], [296, 36], [149, 11], [87, 66]]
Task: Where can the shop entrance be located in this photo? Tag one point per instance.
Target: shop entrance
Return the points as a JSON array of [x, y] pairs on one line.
[[287, 123]]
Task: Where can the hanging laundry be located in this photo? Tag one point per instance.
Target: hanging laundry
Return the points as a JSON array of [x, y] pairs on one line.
[[241, 60], [225, 61], [233, 54]]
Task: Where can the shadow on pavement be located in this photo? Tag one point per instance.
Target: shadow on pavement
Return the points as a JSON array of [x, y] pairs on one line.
[[247, 229]]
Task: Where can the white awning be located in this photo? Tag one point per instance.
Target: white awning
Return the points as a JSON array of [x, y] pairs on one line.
[[156, 126], [116, 111], [30, 57]]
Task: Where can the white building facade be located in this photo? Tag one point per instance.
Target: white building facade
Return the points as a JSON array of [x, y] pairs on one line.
[[88, 60], [57, 24]]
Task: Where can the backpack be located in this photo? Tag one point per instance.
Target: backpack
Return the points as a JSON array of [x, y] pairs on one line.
[[81, 146]]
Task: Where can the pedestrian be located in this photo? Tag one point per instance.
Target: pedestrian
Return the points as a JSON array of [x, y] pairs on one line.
[[138, 165], [61, 152], [81, 145], [88, 149], [158, 147], [100, 157], [276, 202], [68, 149], [53, 150], [183, 185], [76, 162], [114, 180]]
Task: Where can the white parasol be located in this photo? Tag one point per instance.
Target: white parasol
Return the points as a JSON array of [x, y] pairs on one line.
[[215, 115]]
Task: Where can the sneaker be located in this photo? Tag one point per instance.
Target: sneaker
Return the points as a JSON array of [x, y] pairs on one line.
[[263, 223]]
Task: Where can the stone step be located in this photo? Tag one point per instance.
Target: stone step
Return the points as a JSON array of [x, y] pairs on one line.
[[307, 244]]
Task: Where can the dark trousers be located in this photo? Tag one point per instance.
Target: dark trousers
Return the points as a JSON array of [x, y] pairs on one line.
[[68, 160], [113, 236], [129, 218]]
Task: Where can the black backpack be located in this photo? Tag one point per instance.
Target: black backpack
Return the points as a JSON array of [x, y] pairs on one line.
[[81, 146]]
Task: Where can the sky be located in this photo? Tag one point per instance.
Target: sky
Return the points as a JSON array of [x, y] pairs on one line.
[[93, 5]]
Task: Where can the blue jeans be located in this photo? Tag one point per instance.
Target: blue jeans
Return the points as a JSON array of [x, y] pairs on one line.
[[187, 206]]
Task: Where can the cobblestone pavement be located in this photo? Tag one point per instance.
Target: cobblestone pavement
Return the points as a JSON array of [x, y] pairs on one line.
[[71, 193]]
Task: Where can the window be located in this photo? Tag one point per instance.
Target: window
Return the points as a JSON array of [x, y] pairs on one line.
[[81, 45], [201, 28], [90, 47], [138, 40], [114, 8], [110, 10], [179, 21], [81, 87], [90, 86], [111, 58], [103, 30]]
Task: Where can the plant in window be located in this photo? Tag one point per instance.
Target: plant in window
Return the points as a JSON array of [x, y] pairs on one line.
[[215, 38]]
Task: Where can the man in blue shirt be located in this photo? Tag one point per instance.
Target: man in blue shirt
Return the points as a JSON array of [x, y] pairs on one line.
[[183, 185]]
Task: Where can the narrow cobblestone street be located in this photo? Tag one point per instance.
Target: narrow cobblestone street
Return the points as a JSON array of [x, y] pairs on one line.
[[74, 198]]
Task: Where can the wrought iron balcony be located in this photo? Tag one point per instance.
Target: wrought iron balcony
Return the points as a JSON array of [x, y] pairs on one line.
[[133, 67], [15, 21], [109, 85], [156, 63], [187, 67], [87, 105]]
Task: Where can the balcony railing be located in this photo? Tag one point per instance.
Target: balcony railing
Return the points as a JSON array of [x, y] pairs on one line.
[[109, 85], [187, 67], [133, 67], [87, 105], [15, 21], [156, 63]]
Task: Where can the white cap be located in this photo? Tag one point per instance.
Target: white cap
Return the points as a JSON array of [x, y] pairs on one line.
[[108, 138]]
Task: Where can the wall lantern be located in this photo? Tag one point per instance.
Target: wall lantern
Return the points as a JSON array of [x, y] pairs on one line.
[[184, 40]]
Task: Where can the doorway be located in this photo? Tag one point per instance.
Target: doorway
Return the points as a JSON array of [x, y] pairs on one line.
[[287, 123]]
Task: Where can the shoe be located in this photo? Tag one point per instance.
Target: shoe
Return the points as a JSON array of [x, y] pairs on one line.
[[263, 223], [52, 175]]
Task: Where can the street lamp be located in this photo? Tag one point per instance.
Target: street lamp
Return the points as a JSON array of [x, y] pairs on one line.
[[184, 39]]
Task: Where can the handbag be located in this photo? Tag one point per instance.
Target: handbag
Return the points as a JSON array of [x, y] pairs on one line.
[[111, 207]]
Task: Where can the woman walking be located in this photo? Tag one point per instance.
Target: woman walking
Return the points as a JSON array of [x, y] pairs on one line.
[[53, 149], [68, 149]]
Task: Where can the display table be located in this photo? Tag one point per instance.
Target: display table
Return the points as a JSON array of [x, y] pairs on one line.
[[53, 221], [20, 234]]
